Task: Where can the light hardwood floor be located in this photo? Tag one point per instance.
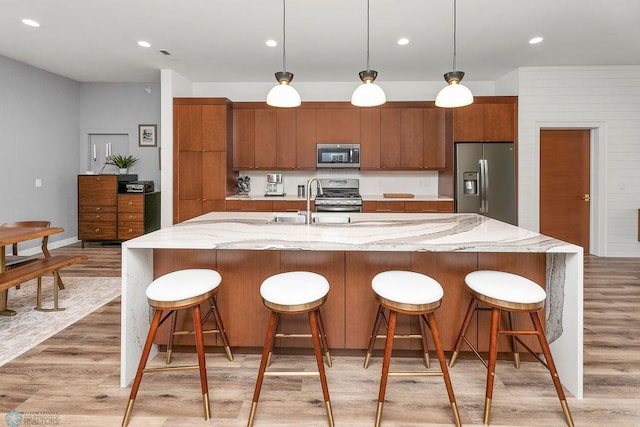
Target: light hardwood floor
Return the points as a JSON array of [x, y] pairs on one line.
[[73, 377]]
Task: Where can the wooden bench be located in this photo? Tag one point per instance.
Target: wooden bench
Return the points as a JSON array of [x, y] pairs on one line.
[[37, 269]]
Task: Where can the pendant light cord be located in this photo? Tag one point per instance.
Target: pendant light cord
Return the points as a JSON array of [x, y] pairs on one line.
[[368, 34], [455, 14], [284, 36]]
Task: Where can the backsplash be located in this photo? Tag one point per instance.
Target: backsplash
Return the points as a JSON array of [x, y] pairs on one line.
[[371, 183]]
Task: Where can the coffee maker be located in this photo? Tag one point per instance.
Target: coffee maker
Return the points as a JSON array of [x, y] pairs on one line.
[[275, 185]]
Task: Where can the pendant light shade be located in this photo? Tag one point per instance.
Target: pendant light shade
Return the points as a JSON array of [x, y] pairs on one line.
[[368, 94], [283, 95], [454, 94]]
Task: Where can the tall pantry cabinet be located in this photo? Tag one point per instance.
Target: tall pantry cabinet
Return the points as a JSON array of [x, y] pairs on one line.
[[202, 156]]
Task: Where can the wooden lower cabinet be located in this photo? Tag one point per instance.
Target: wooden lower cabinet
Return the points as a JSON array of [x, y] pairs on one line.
[[407, 206], [267, 205], [138, 214], [351, 305]]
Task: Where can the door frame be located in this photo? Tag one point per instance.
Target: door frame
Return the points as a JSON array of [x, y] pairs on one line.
[[597, 177]]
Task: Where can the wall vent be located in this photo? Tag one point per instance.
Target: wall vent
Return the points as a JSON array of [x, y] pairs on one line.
[[165, 52]]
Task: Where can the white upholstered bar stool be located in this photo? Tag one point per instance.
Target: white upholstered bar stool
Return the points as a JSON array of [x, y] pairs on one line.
[[415, 294], [178, 290], [292, 293], [213, 311], [510, 293]]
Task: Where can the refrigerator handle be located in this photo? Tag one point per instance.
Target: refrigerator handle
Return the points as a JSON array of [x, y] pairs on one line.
[[484, 186]]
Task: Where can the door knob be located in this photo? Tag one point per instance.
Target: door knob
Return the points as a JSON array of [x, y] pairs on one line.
[[586, 197]]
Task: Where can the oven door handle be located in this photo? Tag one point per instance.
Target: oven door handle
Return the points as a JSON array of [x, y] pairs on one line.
[[351, 208]]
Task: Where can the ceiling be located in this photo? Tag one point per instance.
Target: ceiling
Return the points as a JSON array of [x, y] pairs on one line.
[[224, 41]]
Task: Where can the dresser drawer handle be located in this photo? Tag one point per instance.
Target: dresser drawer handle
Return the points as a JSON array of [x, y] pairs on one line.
[[98, 209], [131, 230], [97, 230], [130, 203], [97, 216], [130, 216]]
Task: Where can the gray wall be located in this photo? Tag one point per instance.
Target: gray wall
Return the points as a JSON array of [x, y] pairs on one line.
[[45, 120], [119, 108], [39, 122]]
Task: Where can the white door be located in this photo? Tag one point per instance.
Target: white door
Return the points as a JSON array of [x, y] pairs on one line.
[[101, 146]]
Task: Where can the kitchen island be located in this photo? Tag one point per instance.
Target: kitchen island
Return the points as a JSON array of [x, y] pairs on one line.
[[248, 247]]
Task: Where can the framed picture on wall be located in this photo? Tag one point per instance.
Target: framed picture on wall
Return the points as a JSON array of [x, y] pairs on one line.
[[147, 135]]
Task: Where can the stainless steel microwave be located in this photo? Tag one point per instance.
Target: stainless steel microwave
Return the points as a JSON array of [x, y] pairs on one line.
[[338, 156]]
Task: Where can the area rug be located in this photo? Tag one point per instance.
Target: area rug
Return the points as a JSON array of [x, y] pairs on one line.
[[28, 328]]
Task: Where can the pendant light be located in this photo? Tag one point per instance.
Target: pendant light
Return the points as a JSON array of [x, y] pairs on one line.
[[368, 94], [454, 94], [283, 95]]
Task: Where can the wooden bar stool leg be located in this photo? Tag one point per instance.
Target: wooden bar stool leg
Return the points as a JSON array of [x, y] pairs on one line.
[[317, 347], [273, 340], [385, 365], [443, 367], [425, 345], [514, 341], [323, 338], [172, 329], [202, 363], [271, 332], [463, 331], [223, 331], [155, 322], [535, 317], [491, 369], [374, 334]]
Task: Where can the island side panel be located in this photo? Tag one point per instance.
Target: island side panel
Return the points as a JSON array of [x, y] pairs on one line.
[[168, 260], [361, 303], [331, 265], [449, 269], [529, 265], [244, 314]]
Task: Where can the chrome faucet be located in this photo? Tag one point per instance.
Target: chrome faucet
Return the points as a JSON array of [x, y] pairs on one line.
[[307, 213]]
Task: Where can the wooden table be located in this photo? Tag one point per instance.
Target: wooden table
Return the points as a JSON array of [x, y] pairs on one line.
[[11, 235]]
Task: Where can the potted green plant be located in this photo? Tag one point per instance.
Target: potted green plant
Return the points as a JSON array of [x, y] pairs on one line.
[[122, 162]]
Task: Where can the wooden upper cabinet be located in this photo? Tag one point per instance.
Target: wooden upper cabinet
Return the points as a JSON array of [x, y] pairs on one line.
[[499, 122], [485, 122], [435, 134], [338, 125], [243, 138], [306, 138], [370, 138], [390, 121], [286, 149], [214, 127], [266, 137], [188, 127], [411, 138]]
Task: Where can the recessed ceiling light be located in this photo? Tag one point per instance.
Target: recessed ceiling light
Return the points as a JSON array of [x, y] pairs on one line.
[[403, 41], [143, 43], [271, 43], [536, 40], [30, 22]]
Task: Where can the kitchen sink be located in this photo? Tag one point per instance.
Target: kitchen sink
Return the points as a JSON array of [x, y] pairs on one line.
[[287, 219], [300, 219]]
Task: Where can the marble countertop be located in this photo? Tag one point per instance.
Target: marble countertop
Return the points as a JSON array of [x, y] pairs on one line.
[[365, 197], [367, 232]]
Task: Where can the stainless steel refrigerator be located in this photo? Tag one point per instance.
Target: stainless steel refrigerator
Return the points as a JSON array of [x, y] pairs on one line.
[[485, 179]]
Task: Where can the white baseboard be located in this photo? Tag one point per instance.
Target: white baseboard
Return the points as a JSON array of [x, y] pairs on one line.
[[52, 245]]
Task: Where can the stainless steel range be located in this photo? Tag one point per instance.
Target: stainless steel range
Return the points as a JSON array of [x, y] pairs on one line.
[[339, 195]]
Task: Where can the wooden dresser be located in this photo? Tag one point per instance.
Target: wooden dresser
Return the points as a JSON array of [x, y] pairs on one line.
[[104, 214]]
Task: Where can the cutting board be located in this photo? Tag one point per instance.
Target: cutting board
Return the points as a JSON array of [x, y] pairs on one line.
[[398, 195]]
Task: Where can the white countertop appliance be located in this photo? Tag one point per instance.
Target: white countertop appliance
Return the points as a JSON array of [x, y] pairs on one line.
[[339, 195], [274, 185]]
